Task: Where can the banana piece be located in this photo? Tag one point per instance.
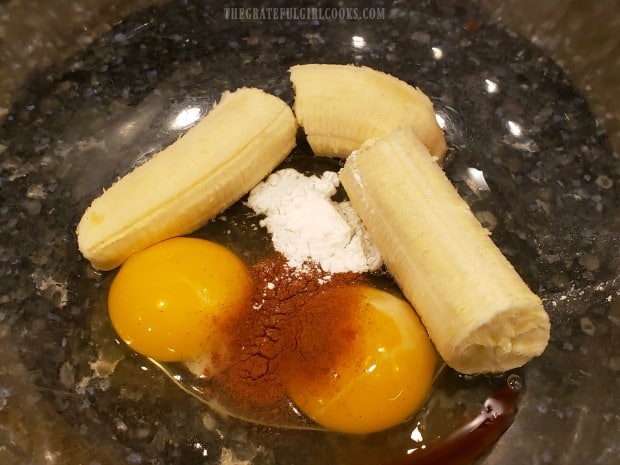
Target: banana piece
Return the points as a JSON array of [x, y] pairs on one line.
[[239, 142], [341, 106], [478, 312]]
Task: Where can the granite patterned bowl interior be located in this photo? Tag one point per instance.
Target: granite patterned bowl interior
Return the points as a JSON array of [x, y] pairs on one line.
[[525, 152]]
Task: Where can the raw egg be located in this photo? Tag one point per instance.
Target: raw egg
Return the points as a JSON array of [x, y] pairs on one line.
[[168, 301], [386, 374]]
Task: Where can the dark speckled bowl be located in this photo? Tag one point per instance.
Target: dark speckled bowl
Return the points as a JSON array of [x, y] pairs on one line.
[[69, 393]]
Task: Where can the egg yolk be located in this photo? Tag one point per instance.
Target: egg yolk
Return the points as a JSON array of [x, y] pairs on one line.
[[385, 377], [168, 301]]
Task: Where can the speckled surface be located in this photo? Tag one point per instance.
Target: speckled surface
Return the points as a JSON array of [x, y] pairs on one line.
[[70, 394]]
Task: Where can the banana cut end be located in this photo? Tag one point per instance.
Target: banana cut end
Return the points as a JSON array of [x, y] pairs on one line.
[[507, 341], [341, 106], [100, 255]]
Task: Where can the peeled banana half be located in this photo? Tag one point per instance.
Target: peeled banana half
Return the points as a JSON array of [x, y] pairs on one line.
[[342, 106], [478, 312], [240, 141]]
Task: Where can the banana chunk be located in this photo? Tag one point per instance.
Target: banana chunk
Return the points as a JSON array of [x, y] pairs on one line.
[[479, 313], [240, 141], [341, 106]]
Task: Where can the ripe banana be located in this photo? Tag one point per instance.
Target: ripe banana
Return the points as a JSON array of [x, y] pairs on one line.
[[479, 313], [240, 141], [341, 106]]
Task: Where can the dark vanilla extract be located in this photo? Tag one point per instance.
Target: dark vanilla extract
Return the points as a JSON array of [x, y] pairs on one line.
[[474, 438]]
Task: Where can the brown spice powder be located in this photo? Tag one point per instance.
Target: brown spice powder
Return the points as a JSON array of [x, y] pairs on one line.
[[289, 331]]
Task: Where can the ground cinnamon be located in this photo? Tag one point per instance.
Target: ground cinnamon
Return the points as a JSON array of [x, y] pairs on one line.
[[297, 326]]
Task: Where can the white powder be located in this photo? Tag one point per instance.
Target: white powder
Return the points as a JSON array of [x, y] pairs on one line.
[[306, 225]]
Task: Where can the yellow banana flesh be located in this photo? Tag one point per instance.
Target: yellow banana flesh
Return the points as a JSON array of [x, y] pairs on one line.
[[341, 106], [479, 313], [241, 140]]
